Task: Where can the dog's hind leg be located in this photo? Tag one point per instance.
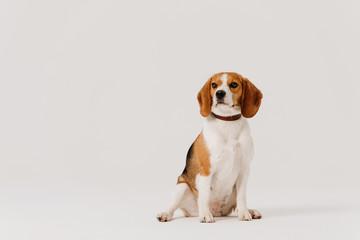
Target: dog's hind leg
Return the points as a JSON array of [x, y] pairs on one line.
[[189, 204], [181, 190]]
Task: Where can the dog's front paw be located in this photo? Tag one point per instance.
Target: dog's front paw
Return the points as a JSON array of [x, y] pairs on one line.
[[206, 217], [255, 214], [163, 217], [244, 215]]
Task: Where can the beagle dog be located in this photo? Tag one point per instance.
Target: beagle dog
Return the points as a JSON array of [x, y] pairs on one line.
[[213, 183]]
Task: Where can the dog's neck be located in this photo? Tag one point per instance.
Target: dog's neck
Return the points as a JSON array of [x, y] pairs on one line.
[[227, 118]]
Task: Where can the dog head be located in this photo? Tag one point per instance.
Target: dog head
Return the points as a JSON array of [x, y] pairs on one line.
[[228, 94]]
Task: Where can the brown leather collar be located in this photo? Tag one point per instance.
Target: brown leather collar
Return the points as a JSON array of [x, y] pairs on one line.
[[228, 118]]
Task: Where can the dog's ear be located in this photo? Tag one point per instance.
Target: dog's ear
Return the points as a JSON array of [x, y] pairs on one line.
[[204, 98], [250, 100]]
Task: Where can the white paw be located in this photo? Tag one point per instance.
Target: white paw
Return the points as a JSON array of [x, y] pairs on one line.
[[206, 217], [163, 217], [244, 215], [255, 214]]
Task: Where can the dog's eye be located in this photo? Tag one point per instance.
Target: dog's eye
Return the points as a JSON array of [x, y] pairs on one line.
[[233, 85], [214, 85]]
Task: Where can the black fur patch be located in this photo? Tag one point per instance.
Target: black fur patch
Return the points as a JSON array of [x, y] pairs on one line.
[[188, 157]]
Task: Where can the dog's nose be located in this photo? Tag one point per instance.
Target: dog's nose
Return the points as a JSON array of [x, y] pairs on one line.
[[220, 94]]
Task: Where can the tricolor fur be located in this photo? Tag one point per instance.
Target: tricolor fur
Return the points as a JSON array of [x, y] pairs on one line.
[[214, 180]]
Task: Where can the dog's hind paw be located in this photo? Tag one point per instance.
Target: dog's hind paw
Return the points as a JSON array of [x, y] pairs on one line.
[[163, 217]]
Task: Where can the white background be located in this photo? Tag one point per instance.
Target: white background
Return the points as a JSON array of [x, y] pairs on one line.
[[98, 108]]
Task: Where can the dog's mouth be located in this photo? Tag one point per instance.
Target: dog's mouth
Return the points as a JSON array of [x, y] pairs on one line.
[[222, 103]]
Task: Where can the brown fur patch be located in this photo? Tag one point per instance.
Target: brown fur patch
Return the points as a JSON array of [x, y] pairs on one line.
[[206, 94], [202, 155], [250, 99], [205, 99], [198, 163], [236, 92]]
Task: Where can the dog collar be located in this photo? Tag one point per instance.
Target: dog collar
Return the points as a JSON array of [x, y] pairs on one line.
[[227, 118]]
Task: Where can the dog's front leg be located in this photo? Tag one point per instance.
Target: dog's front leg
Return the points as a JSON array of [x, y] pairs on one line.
[[204, 199], [241, 206], [243, 212]]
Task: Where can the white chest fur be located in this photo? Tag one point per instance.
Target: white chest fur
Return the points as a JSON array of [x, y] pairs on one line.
[[231, 150]]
